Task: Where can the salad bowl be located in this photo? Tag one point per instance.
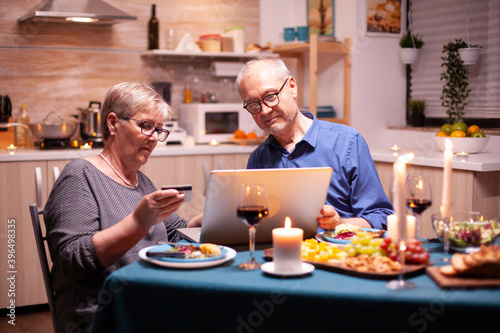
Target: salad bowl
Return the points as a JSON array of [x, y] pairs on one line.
[[467, 230]]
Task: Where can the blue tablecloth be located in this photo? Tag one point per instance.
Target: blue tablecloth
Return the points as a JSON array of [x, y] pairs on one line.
[[142, 297]]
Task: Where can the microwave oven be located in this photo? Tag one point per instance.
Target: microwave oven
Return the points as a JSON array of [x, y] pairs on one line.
[[209, 121]]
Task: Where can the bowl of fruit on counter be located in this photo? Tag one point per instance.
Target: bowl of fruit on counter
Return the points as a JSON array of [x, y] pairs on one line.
[[467, 231], [466, 139]]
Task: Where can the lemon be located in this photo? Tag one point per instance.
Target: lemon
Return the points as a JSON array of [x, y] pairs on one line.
[[473, 129], [458, 134], [460, 126], [446, 128], [441, 133]]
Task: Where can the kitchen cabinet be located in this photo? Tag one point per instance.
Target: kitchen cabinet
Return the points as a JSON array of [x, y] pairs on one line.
[[313, 48], [472, 191], [23, 183]]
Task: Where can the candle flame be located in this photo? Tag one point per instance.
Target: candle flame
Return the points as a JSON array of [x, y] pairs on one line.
[[420, 184], [288, 223], [448, 144], [405, 158]]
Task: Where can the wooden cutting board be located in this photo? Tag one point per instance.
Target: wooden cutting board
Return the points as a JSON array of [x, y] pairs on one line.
[[409, 270], [459, 282]]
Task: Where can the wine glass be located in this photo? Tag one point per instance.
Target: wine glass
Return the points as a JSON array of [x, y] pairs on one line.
[[418, 197], [252, 208], [401, 283]]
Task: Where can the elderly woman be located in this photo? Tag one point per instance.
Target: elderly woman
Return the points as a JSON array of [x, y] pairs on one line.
[[102, 210]]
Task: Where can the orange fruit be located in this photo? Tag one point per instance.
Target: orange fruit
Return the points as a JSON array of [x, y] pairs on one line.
[[252, 136], [473, 129], [441, 133], [239, 134], [458, 134]]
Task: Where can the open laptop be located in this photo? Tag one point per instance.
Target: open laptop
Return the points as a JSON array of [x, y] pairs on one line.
[[298, 193]]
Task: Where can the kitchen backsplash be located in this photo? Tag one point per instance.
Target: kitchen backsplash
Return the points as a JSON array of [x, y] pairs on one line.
[[61, 67]]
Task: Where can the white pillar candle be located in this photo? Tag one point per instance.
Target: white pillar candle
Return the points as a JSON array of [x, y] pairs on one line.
[[446, 198], [287, 248], [398, 194], [392, 226], [411, 227]]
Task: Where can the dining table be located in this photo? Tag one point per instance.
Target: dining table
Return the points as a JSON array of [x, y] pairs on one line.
[[145, 297]]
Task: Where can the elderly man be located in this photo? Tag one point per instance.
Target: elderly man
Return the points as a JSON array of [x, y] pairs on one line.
[[298, 139]]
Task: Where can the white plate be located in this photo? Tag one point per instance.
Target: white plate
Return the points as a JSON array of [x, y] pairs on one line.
[[189, 264], [268, 267], [346, 241]]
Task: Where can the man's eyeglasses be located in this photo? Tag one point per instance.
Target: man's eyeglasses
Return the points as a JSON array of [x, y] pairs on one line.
[[269, 101], [148, 129]]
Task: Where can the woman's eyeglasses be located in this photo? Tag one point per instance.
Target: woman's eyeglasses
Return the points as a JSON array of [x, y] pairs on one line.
[[148, 129], [270, 101]]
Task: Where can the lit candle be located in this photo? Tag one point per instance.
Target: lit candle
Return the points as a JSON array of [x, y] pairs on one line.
[[398, 194], [395, 150], [85, 147], [11, 149], [214, 142], [287, 248], [446, 198], [463, 155], [411, 227], [392, 226]]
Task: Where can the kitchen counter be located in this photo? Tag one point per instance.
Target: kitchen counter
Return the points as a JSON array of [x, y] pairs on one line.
[[160, 150], [482, 162]]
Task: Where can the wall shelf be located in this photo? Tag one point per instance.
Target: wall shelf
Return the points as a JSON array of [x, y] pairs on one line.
[[190, 56], [313, 48]]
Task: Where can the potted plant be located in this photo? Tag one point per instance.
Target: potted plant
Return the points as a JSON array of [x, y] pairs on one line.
[[410, 46], [416, 110], [469, 54], [456, 76]]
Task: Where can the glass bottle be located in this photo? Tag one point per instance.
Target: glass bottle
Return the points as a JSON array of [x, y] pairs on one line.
[[153, 30], [22, 134]]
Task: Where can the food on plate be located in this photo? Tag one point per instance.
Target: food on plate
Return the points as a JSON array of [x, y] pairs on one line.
[[348, 231], [484, 263], [190, 251], [312, 250], [208, 248], [346, 228], [375, 264]]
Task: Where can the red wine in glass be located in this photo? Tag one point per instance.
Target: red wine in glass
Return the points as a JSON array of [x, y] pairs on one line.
[[418, 197], [252, 207], [418, 206], [252, 215]]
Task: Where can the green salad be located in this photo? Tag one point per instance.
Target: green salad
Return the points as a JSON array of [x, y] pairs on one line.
[[465, 234]]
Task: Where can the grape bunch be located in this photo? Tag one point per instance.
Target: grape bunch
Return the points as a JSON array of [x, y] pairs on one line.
[[362, 243]]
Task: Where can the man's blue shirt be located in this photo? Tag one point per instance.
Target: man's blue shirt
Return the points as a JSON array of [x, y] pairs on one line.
[[355, 188]]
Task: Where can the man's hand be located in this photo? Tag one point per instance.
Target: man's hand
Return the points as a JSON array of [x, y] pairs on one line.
[[330, 218]]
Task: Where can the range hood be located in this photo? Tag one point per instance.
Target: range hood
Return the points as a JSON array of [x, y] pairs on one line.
[[87, 11]]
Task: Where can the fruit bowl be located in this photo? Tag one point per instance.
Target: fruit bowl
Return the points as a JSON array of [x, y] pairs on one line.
[[468, 230], [466, 145]]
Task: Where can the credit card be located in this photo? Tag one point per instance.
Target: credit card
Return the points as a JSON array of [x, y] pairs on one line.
[[186, 189]]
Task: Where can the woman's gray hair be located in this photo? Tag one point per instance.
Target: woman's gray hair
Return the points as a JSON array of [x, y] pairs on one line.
[[276, 64], [126, 98]]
